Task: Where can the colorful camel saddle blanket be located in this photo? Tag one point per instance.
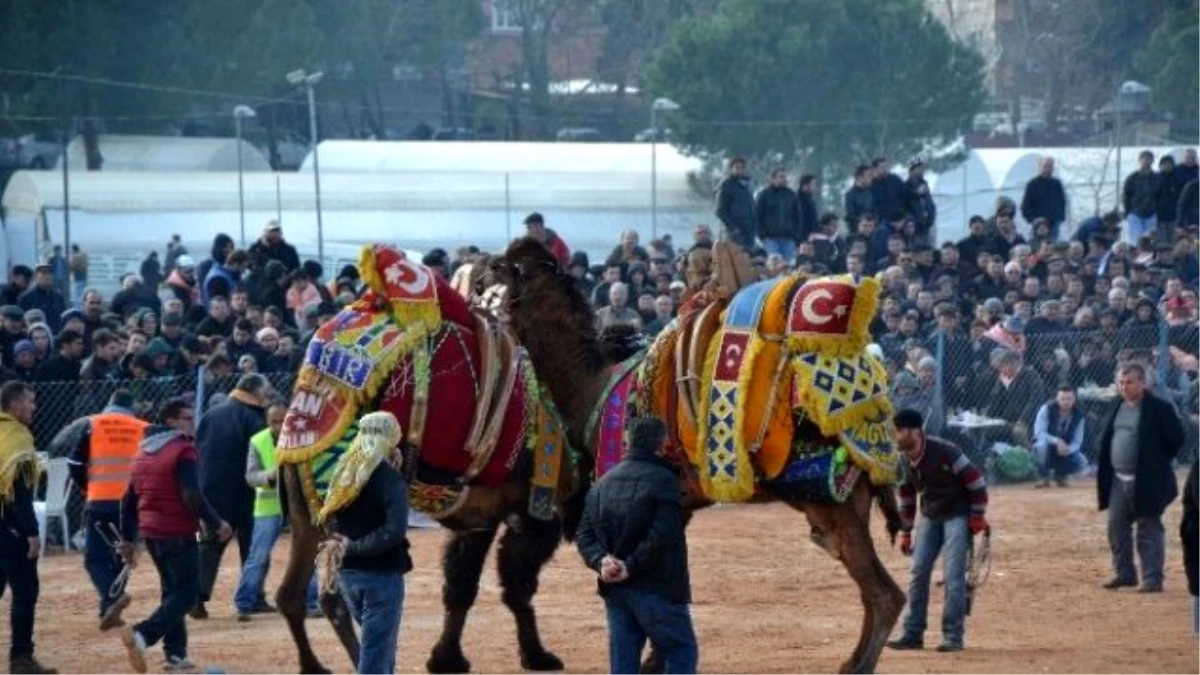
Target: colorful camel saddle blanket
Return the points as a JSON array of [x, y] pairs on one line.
[[617, 405], [818, 474]]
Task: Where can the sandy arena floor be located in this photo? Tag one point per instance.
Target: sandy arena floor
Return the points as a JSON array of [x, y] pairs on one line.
[[767, 600]]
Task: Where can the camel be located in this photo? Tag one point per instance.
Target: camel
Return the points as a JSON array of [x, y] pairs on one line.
[[527, 542], [556, 326]]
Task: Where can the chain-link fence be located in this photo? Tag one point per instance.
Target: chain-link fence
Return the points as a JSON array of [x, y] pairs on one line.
[[987, 386], [60, 404]]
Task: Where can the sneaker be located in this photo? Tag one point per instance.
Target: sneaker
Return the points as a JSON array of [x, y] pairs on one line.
[[263, 607], [315, 613], [243, 617], [1117, 582], [199, 612], [135, 648], [906, 643], [1044, 484], [112, 616], [27, 665], [1061, 482], [1150, 588], [946, 647], [178, 664]]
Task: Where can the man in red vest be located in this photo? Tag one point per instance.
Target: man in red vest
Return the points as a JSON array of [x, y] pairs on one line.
[[105, 446], [163, 505]]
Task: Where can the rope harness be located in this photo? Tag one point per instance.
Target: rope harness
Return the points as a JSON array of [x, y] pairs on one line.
[[112, 537], [979, 565], [330, 554]]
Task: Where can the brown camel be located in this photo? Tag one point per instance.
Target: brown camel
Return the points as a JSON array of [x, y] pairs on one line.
[[525, 546], [556, 326]]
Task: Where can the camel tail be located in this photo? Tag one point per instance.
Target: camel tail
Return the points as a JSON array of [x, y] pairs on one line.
[[886, 497]]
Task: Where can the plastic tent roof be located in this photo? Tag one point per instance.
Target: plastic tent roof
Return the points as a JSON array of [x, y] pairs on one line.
[[168, 153], [498, 157], [29, 192]]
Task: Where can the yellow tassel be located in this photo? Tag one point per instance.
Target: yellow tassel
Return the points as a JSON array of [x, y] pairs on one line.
[[367, 272]]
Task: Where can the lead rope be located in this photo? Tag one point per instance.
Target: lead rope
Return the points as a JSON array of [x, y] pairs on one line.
[[330, 555], [112, 537]]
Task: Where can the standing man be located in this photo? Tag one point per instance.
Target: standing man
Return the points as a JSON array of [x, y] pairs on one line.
[[918, 202], [535, 227], [1135, 481], [1045, 198], [272, 246], [1170, 187], [163, 505], [807, 197], [19, 543], [262, 474], [953, 505], [735, 206], [368, 500], [632, 534], [778, 212], [859, 200], [1058, 437], [1140, 199], [105, 448], [45, 296], [222, 440]]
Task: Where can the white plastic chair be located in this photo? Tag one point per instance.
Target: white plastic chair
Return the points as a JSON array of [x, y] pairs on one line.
[[58, 487]]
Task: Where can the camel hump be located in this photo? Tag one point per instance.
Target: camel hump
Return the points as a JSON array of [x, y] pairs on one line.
[[731, 268]]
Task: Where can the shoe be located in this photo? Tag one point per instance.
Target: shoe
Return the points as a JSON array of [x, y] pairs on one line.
[[199, 612], [243, 617], [1061, 482], [263, 607], [27, 665], [906, 644], [1150, 588], [947, 647], [1117, 582], [112, 616], [1044, 484], [178, 664], [315, 613], [135, 648]]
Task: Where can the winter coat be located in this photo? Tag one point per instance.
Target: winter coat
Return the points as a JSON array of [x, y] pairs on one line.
[[809, 218], [1044, 198], [1169, 189], [261, 254], [1189, 530], [859, 201], [778, 213], [1140, 196], [888, 193], [223, 439], [633, 513], [735, 206], [1188, 208], [50, 301], [1160, 435]]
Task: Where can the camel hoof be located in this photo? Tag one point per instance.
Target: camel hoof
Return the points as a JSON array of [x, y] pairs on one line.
[[315, 669], [447, 661], [852, 667], [541, 661]]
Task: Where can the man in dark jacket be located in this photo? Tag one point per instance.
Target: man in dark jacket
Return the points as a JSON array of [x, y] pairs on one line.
[[778, 212], [1170, 186], [18, 282], [632, 534], [887, 191], [44, 296], [163, 505], [271, 246], [65, 366], [1140, 198], [807, 198], [223, 439], [371, 534], [1135, 481], [859, 200], [1045, 198], [735, 206], [918, 201], [1189, 534]]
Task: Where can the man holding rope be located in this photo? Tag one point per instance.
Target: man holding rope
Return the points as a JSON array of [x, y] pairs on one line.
[[163, 504]]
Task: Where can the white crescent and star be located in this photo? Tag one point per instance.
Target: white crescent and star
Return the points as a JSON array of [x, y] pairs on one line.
[[808, 308], [732, 352]]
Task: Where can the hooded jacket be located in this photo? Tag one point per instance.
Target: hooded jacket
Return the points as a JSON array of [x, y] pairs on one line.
[[163, 500]]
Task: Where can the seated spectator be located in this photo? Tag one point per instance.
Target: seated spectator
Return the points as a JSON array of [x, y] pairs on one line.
[[617, 312], [1058, 432], [1015, 394]]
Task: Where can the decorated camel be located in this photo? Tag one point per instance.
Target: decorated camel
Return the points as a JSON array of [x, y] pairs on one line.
[[766, 387], [483, 446]]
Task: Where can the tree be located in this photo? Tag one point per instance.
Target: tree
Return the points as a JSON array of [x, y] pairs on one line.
[[816, 84], [1169, 65]]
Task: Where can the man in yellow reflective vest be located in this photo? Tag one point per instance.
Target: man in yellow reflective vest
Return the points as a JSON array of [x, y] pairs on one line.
[[101, 462], [262, 474]]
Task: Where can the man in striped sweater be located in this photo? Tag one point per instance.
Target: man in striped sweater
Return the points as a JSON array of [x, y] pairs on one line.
[[953, 501]]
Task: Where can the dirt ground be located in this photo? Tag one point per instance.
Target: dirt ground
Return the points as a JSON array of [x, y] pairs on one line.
[[767, 600]]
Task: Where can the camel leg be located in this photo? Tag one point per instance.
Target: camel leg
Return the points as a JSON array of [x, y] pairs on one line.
[[290, 598], [843, 530], [462, 565], [524, 548]]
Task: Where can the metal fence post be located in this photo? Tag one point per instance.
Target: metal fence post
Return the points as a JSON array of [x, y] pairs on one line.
[[939, 391], [199, 393], [1164, 353]]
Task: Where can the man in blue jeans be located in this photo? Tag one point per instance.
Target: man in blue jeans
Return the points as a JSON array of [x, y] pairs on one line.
[[262, 474], [1058, 437], [953, 503], [369, 498], [163, 505], [632, 534]]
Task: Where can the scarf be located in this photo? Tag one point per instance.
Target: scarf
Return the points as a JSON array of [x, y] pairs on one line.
[[17, 459], [379, 433]]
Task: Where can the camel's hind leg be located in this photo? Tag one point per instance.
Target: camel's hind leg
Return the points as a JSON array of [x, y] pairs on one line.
[[290, 598], [843, 530], [526, 546], [462, 565]]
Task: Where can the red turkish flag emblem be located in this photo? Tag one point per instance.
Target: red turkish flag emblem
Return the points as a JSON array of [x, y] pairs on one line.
[[822, 306], [733, 352]]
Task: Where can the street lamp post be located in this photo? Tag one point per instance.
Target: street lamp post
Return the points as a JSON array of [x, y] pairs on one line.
[[666, 105], [301, 78], [239, 113]]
